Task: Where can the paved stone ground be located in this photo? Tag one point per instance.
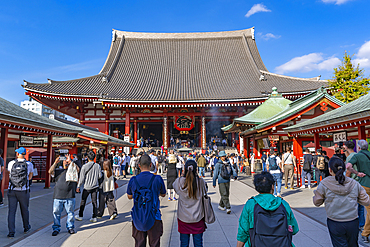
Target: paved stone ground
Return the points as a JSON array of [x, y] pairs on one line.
[[222, 233]]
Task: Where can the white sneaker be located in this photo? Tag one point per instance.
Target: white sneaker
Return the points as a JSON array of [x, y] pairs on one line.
[[93, 220], [113, 216], [78, 218], [303, 187], [232, 180], [221, 208], [278, 195], [309, 186], [228, 211]]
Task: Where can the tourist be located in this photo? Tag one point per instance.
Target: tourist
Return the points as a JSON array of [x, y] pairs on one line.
[[133, 161], [190, 211], [273, 213], [273, 164], [151, 226], [1, 175], [89, 176], [288, 168], [161, 162], [320, 166], [127, 164], [116, 165], [123, 164], [223, 172], [107, 196], [338, 153], [224, 143], [172, 174], [306, 169], [349, 152], [202, 163], [362, 161], [180, 164], [154, 166], [19, 191], [341, 195], [252, 163], [215, 147], [64, 196], [264, 159]]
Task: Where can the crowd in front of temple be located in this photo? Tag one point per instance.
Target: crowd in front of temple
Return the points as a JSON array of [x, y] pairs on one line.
[[344, 197]]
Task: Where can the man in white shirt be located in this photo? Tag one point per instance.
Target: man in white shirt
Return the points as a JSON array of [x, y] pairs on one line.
[[154, 159], [273, 164], [288, 168], [18, 191], [116, 165], [179, 165]]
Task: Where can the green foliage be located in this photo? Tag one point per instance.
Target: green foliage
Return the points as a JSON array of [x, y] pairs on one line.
[[348, 83]]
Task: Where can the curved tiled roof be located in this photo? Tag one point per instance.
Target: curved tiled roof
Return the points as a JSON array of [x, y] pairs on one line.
[[180, 67]]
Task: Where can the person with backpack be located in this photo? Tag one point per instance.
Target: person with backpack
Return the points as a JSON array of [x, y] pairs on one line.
[[116, 165], [362, 161], [320, 166], [266, 220], [202, 163], [273, 165], [64, 196], [223, 172], [20, 172], [264, 159], [106, 196], [89, 176], [288, 168], [190, 210], [145, 189], [341, 195], [306, 169], [161, 162]]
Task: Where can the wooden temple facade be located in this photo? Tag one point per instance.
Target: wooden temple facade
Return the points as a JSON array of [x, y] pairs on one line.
[[163, 85]]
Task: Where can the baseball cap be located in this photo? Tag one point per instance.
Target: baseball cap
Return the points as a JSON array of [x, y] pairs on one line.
[[21, 150], [222, 153]]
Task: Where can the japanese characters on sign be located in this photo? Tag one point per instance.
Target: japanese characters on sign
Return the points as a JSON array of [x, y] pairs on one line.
[[339, 137], [184, 123]]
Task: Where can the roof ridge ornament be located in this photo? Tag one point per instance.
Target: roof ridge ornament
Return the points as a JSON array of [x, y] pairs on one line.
[[252, 32], [114, 35], [104, 79], [262, 78], [49, 81]]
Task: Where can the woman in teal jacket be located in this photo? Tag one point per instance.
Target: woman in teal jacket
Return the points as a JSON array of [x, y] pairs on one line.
[[263, 183]]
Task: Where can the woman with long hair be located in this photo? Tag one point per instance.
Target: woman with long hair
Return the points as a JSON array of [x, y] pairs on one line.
[[107, 197], [340, 195], [190, 211]]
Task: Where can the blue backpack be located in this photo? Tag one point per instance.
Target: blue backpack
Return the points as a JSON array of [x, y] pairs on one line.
[[144, 210], [115, 160], [272, 163]]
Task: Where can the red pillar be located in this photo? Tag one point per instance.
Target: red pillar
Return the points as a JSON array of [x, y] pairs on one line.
[[361, 133], [248, 146], [135, 133], [49, 156], [127, 123], [255, 147], [297, 150], [245, 146], [82, 118], [316, 140], [107, 124], [4, 147]]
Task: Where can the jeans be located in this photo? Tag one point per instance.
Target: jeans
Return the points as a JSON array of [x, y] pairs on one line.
[[277, 179], [319, 173], [343, 233], [308, 175], [197, 240], [1, 194], [69, 205], [201, 171], [264, 166], [361, 216], [94, 196]]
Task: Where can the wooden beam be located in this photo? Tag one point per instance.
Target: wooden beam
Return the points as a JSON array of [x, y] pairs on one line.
[[4, 147], [49, 156]]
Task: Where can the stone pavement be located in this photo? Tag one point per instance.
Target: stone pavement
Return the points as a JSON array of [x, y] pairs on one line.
[[118, 232]]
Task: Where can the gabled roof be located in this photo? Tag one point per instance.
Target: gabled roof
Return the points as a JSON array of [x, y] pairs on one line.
[[273, 105], [295, 107], [180, 67], [352, 111]]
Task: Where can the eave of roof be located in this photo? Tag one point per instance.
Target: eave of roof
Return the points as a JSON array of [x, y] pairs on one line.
[[293, 108], [352, 111]]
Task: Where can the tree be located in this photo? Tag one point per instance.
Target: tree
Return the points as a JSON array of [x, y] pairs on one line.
[[348, 83]]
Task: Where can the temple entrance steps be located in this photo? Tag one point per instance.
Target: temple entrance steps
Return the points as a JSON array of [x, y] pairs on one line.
[[228, 150]]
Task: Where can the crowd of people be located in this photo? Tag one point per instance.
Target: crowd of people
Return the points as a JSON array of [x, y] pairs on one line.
[[343, 185]]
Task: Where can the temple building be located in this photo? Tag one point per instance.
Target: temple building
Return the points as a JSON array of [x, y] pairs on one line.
[[180, 85]]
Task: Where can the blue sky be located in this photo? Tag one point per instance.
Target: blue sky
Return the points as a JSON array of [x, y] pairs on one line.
[[64, 40]]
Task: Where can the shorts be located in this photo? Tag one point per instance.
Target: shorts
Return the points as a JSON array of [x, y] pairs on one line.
[[116, 168]]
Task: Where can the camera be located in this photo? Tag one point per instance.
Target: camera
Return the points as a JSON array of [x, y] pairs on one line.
[[62, 154]]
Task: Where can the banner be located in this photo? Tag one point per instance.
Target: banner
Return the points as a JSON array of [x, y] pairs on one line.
[[184, 123]]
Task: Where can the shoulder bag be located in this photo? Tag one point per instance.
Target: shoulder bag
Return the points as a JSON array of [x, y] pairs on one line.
[[209, 214], [72, 174]]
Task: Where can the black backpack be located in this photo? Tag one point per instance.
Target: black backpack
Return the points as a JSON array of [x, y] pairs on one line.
[[273, 163], [226, 171], [307, 162], [19, 174], [270, 228]]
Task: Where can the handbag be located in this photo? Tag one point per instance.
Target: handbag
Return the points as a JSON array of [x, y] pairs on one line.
[[209, 214], [72, 174]]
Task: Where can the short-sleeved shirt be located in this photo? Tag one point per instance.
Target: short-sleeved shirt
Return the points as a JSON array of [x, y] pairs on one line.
[[288, 159], [363, 165], [29, 170], [158, 188]]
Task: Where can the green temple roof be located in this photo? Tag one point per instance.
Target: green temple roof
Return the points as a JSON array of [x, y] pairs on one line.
[[273, 105]]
